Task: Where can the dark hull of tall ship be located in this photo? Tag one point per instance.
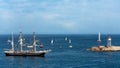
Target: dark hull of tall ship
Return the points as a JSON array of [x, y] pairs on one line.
[[26, 54]]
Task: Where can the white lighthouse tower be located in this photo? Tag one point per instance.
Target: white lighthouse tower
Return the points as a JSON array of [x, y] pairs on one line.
[[109, 41], [99, 38]]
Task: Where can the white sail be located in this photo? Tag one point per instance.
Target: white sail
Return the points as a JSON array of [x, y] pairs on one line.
[[34, 42], [65, 38], [69, 40], [52, 41], [20, 42], [29, 46]]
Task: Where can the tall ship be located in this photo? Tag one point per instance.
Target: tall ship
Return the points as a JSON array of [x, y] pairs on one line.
[[21, 52]]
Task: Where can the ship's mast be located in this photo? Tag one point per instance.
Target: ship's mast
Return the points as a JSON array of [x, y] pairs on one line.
[[12, 43], [20, 41], [34, 42]]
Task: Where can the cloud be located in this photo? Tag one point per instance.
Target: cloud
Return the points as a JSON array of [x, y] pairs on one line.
[[71, 16], [50, 16]]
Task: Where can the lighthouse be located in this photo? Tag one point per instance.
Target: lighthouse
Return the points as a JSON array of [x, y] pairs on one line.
[[109, 41], [99, 38]]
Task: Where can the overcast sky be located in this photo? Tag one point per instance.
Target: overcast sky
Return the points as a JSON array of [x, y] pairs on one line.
[[60, 16]]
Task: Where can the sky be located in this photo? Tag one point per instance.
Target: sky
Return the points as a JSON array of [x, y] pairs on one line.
[[60, 16]]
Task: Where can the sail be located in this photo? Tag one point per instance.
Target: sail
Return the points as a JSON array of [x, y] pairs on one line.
[[52, 41], [69, 40], [66, 38]]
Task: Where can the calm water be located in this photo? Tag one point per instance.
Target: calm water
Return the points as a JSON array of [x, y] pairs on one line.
[[62, 56]]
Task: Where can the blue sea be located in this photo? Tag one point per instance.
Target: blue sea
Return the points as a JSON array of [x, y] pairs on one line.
[[61, 55]]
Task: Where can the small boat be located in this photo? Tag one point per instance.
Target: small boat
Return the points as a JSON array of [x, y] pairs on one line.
[[70, 46], [21, 52]]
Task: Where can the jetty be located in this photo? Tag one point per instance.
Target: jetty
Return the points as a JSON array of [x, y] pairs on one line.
[[104, 48]]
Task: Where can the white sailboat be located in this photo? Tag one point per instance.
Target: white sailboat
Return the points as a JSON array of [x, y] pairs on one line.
[[70, 46], [69, 40], [65, 38], [52, 41]]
